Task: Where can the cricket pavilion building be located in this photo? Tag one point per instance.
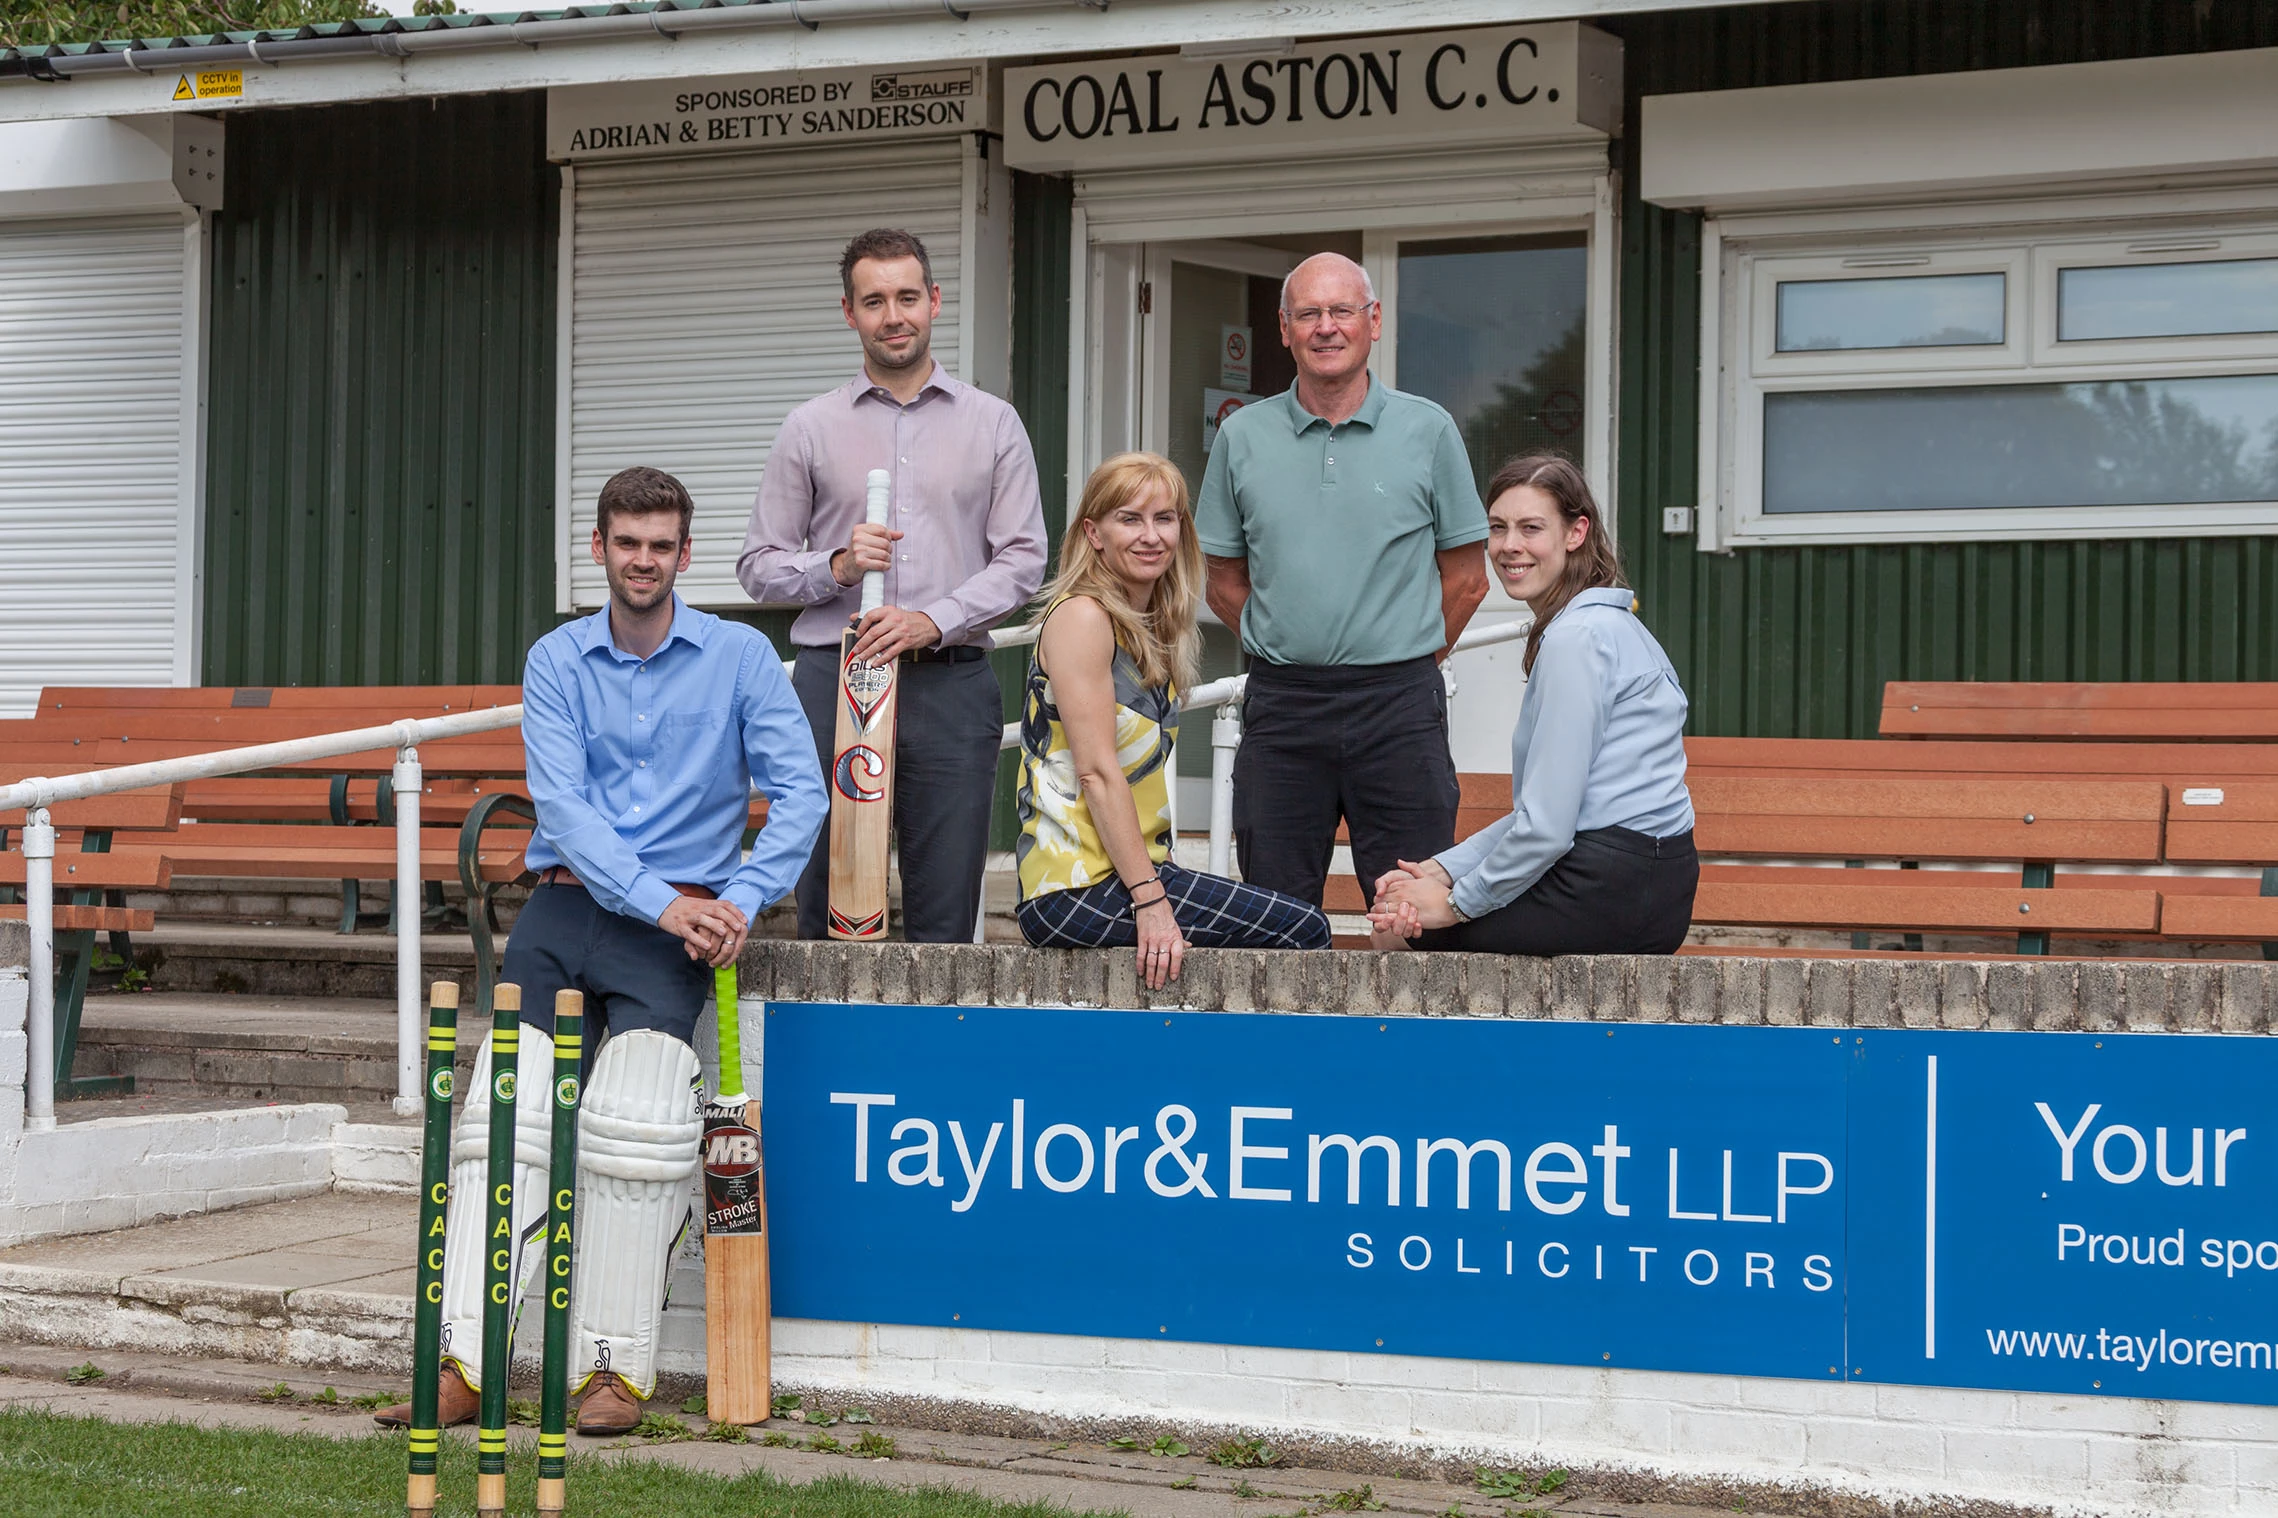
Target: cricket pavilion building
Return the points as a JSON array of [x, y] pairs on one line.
[[1927, 339]]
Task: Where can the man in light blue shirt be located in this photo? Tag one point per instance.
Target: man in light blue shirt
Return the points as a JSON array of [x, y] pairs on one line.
[[647, 725]]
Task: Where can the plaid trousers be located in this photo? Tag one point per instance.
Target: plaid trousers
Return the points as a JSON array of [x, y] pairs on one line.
[[1212, 911]]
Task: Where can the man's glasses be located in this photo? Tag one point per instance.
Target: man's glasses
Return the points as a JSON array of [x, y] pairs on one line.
[[1314, 316]]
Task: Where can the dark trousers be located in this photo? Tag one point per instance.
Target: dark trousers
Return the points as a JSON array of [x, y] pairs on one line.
[[633, 973], [1615, 892], [948, 729], [1362, 744]]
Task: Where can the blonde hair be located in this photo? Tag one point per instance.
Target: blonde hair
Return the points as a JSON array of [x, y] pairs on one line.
[[1162, 640]]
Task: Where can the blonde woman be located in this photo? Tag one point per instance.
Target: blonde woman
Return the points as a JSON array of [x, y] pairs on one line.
[[1118, 646]]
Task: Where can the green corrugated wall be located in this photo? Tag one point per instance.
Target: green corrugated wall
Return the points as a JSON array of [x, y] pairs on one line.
[[380, 437], [1798, 641]]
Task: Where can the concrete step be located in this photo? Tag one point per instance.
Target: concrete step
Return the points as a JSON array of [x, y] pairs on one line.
[[289, 960], [252, 1048]]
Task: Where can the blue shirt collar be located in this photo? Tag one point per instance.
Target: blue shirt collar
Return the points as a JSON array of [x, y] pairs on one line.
[[689, 625], [1371, 408], [1607, 595]]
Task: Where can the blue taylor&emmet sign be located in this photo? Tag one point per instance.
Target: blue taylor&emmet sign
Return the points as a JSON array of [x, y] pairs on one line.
[[2024, 1211]]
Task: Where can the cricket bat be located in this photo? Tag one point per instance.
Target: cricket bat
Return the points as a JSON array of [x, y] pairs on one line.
[[736, 1307], [862, 767]]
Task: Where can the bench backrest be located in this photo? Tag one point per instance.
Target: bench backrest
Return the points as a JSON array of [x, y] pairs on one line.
[[2129, 711], [2176, 765], [1881, 818]]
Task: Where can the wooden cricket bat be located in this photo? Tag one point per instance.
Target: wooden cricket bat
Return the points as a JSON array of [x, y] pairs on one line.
[[862, 767], [736, 1307]]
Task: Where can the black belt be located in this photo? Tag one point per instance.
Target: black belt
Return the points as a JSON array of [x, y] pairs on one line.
[[963, 653]]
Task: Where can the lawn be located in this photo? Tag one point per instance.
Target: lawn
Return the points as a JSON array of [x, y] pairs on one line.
[[65, 1467]]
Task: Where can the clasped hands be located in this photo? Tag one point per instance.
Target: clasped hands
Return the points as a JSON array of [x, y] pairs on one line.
[[711, 931], [890, 631], [1410, 898]]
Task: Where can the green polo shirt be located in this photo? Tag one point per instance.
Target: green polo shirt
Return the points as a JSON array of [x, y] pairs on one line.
[[1339, 524]]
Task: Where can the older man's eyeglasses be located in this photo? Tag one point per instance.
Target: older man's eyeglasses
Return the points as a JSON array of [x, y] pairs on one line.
[[1340, 316]]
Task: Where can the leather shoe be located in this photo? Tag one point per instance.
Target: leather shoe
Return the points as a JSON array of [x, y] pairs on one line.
[[455, 1403], [609, 1406]]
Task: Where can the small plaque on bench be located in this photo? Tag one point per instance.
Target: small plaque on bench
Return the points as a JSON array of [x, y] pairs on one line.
[[249, 696], [2202, 795]]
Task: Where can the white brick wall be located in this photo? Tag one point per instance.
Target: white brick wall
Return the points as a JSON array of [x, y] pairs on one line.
[[2081, 1455], [117, 1172]]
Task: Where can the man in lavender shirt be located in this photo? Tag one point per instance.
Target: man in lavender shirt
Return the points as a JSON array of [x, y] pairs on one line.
[[962, 549]]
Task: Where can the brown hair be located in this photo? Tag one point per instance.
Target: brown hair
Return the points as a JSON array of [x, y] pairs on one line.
[[1162, 640], [1589, 567], [883, 243], [641, 491]]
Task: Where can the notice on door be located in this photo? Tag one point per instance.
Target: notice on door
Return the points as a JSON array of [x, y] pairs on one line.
[[1234, 357], [1217, 405]]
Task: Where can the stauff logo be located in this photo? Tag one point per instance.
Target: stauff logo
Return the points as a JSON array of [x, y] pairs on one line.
[[940, 84]]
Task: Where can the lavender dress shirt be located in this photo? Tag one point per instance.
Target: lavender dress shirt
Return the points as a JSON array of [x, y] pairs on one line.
[[973, 547]]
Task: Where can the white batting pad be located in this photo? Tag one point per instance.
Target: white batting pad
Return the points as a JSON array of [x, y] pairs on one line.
[[637, 1141], [467, 1244]]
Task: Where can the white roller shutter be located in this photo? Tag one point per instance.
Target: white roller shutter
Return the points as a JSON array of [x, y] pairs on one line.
[[703, 306], [98, 444]]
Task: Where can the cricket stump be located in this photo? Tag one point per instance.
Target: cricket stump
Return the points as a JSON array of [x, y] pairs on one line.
[[553, 1409], [434, 1195], [498, 1272]]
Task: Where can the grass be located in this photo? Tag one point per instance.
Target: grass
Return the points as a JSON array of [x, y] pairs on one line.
[[55, 1466]]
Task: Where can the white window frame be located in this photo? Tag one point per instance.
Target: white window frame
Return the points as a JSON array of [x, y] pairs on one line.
[[1745, 257]]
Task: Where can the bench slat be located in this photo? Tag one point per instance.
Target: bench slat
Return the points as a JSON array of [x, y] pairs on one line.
[[157, 808], [70, 919], [2149, 710], [2176, 765], [1943, 909], [121, 869], [2239, 828], [2219, 917]]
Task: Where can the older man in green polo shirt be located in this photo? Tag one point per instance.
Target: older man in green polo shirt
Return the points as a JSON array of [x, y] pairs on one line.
[[1342, 531]]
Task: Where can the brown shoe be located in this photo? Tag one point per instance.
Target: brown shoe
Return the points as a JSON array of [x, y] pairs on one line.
[[455, 1403], [609, 1407]]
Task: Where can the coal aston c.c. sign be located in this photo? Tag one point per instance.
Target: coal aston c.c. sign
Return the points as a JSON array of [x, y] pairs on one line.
[[1488, 84]]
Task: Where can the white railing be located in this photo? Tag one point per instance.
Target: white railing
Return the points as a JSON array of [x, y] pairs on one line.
[[34, 796], [37, 795]]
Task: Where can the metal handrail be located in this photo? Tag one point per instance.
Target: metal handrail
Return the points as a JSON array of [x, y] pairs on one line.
[[36, 794]]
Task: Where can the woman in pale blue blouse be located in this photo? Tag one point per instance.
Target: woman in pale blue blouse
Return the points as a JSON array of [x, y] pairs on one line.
[[1597, 854]]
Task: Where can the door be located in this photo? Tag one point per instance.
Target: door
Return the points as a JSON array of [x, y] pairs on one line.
[[1209, 343], [1497, 330]]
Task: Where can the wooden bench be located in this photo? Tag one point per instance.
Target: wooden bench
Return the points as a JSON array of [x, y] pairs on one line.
[[2103, 858], [78, 727], [2218, 800], [2130, 711]]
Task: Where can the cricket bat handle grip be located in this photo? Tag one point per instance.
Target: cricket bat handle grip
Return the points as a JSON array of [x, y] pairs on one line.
[[874, 512]]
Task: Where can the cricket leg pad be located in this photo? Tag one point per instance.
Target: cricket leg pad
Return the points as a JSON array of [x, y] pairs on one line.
[[638, 1135], [466, 1244]]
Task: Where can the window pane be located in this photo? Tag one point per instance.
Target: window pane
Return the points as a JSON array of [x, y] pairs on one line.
[[1913, 311], [2168, 300], [2134, 443], [1491, 328]]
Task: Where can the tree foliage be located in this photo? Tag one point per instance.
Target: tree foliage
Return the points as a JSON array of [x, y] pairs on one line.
[[45, 23]]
